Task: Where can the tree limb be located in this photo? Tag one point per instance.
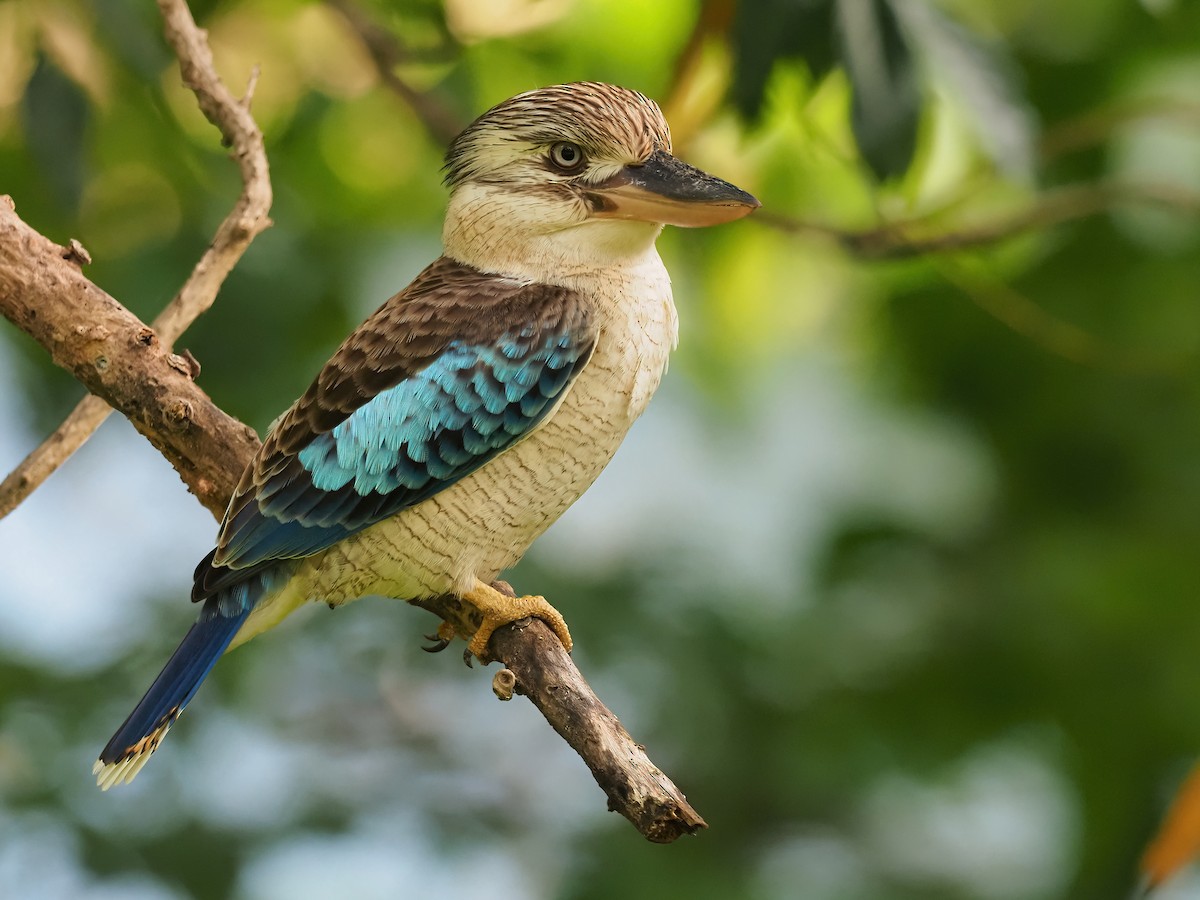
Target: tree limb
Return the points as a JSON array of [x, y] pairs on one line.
[[545, 673], [131, 367], [45, 459], [244, 222], [120, 359], [904, 240], [636, 788]]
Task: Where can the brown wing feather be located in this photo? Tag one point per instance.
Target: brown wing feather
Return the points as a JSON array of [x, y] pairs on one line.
[[448, 301]]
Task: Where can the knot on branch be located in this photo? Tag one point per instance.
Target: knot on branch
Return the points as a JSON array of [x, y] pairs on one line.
[[178, 414], [504, 684], [185, 364], [95, 332], [74, 253]]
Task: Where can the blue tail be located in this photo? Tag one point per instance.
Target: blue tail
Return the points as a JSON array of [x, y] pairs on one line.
[[139, 736], [218, 624]]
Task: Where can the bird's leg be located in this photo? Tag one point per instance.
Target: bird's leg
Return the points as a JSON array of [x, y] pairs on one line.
[[499, 609]]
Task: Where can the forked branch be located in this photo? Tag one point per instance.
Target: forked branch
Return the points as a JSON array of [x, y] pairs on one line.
[[130, 366], [245, 221], [122, 360]]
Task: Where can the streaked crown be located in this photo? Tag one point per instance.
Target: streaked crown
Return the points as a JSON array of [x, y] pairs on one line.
[[610, 123]]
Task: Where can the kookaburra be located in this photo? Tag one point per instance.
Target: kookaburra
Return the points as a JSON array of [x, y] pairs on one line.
[[464, 416]]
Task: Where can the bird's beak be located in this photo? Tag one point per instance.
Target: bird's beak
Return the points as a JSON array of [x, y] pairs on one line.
[[664, 189]]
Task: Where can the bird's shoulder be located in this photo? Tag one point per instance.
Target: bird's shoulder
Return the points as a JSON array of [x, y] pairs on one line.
[[447, 303], [447, 373]]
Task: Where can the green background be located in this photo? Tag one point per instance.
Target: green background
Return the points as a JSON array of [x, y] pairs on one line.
[[897, 577]]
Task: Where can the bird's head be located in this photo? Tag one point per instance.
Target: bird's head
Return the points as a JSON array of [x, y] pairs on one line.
[[575, 175]]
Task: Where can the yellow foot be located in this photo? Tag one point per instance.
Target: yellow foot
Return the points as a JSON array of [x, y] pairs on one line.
[[500, 609]]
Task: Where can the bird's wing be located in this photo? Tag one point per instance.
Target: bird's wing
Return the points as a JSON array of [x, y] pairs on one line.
[[443, 377]]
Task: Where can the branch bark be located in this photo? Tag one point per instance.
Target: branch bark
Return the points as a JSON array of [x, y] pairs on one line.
[[122, 360], [636, 788], [130, 366], [245, 221], [545, 673], [119, 358], [905, 240]]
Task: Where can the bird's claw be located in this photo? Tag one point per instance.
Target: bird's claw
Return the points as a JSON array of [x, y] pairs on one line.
[[440, 639], [436, 644]]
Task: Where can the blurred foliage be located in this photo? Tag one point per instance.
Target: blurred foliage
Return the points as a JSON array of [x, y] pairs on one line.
[[919, 619]]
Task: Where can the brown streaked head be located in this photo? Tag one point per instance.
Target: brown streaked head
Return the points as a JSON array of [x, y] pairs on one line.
[[602, 149]]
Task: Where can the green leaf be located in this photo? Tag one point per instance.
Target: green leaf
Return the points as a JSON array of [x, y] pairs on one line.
[[134, 31], [983, 79], [766, 31], [886, 105], [54, 113]]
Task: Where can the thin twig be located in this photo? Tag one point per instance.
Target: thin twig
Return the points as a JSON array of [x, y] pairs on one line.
[[120, 359], [245, 221], [240, 132], [439, 119], [1057, 336], [1093, 128], [545, 673], [82, 422], [686, 108], [903, 240]]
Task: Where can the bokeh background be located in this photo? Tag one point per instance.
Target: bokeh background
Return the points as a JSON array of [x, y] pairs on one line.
[[897, 578]]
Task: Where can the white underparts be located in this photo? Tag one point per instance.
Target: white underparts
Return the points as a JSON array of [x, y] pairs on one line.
[[483, 524]]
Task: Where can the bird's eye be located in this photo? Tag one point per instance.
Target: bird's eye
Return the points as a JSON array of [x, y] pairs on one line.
[[566, 156]]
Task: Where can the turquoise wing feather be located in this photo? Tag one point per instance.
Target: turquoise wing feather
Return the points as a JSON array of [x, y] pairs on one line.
[[443, 378]]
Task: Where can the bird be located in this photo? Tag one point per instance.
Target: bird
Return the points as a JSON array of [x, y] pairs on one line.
[[468, 412]]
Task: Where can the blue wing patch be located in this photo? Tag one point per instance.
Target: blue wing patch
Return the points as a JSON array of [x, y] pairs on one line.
[[469, 404], [401, 447]]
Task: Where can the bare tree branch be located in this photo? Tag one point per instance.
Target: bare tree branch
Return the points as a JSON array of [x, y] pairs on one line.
[[545, 673], [130, 366], [636, 788], [119, 358], [44, 460], [245, 221], [903, 240]]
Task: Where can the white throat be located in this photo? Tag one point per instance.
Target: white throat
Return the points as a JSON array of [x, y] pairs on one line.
[[534, 236]]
